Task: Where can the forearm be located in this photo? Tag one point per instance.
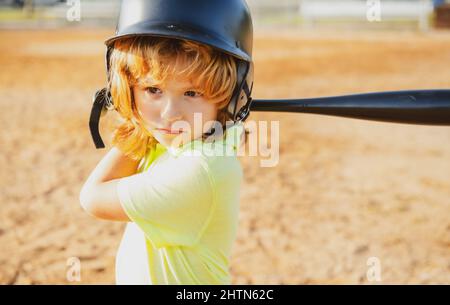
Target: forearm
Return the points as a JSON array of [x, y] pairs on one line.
[[114, 165]]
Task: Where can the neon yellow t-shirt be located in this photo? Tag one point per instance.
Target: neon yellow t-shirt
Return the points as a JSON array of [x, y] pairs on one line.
[[184, 206]]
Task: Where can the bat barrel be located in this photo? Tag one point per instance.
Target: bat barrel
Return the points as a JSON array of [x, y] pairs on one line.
[[424, 107]]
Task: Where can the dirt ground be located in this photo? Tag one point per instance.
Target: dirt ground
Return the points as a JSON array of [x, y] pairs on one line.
[[343, 191]]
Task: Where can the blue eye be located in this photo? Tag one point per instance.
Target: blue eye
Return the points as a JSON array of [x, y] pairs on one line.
[[192, 93], [153, 90]]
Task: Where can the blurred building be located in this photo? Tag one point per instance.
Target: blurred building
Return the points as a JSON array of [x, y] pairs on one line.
[[22, 3], [442, 14]]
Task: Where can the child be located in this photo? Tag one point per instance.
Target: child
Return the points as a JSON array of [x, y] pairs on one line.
[[177, 189]]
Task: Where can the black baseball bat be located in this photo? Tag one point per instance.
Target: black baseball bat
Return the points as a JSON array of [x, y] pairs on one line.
[[423, 107]]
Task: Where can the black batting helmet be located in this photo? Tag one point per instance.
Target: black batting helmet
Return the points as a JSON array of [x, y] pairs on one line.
[[222, 24]]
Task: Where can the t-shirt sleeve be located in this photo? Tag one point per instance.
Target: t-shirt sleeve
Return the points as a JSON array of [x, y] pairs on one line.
[[172, 201]]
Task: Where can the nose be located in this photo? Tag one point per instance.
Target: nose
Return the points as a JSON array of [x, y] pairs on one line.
[[171, 111]]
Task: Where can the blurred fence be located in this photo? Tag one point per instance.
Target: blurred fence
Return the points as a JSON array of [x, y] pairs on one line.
[[338, 13], [53, 13], [393, 12], [275, 13]]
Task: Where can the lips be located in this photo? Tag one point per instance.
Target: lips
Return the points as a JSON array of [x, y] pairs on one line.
[[165, 130]]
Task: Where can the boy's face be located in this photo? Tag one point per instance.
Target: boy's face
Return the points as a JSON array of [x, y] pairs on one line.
[[172, 106]]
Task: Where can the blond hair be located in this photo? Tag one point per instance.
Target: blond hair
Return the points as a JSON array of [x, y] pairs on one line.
[[136, 57]]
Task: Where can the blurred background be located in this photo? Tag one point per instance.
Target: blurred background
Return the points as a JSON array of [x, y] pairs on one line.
[[344, 191]]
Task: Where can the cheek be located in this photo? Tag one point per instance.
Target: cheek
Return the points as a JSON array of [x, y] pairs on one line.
[[208, 110], [148, 111]]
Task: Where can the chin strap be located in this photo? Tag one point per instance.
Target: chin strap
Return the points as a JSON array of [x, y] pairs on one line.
[[238, 112], [101, 100], [245, 111]]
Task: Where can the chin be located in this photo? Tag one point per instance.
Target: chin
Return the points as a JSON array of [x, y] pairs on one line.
[[170, 141]]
